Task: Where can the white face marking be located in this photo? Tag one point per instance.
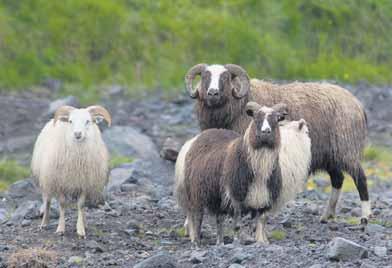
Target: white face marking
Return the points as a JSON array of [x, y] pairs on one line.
[[80, 121], [266, 126], [216, 71]]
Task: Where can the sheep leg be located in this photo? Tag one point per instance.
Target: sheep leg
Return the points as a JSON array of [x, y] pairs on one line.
[[80, 225], [46, 207], [219, 229], [360, 181], [61, 226], [196, 220], [337, 179], [236, 224], [261, 234], [186, 226]]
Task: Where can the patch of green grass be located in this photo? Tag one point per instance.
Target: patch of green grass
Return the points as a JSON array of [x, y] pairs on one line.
[[151, 44], [375, 153], [118, 160], [351, 220], [385, 223], [11, 171], [181, 232], [278, 235]]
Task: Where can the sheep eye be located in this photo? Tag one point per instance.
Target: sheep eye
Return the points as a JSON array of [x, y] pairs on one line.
[[88, 122], [70, 121]]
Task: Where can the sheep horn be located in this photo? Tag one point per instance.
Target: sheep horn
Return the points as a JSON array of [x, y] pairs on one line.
[[252, 107], [99, 110], [281, 108], [195, 70], [62, 113], [238, 71]]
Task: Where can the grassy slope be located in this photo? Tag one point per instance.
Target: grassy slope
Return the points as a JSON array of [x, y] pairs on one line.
[[151, 44]]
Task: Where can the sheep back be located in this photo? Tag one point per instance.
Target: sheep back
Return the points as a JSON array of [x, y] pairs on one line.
[[336, 119]]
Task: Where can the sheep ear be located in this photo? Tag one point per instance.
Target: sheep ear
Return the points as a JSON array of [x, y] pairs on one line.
[[301, 124], [249, 112], [98, 119]]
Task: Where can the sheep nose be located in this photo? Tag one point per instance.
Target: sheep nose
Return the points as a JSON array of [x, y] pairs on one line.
[[213, 92], [78, 135], [266, 131]]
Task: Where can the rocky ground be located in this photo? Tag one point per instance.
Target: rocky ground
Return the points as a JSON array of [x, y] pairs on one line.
[[140, 224]]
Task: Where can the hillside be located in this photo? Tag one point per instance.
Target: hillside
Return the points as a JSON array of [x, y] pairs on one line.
[[151, 44]]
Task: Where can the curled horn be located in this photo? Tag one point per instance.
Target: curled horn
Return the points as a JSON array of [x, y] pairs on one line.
[[62, 113], [191, 74], [97, 110], [251, 107], [281, 108], [238, 71]]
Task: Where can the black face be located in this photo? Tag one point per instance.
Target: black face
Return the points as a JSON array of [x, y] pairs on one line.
[[215, 87], [265, 127]]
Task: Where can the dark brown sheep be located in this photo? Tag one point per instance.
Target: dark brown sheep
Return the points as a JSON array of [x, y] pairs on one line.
[[220, 170], [337, 121]]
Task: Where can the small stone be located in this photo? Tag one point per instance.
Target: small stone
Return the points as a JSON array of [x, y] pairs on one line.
[[129, 187], [322, 183], [94, 246], [343, 249], [239, 256], [23, 189], [236, 265], [345, 209], [317, 265], [198, 256], [312, 209], [365, 265], [170, 149], [28, 210], [372, 228], [161, 260], [380, 251], [26, 223], [333, 226], [356, 212], [286, 223], [115, 91], [166, 203], [3, 215]]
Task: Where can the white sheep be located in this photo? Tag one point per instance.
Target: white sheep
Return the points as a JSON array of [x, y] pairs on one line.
[[70, 161]]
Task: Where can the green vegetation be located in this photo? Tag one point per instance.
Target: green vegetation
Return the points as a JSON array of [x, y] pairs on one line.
[[151, 44], [374, 153], [11, 171], [118, 160], [278, 235]]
